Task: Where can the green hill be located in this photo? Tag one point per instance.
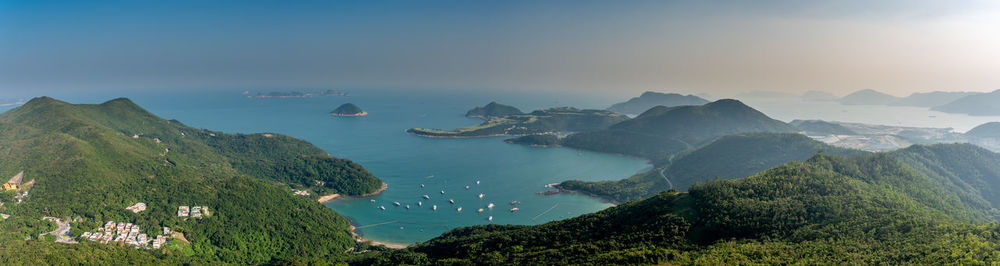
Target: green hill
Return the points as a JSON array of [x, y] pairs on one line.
[[491, 110], [729, 157], [662, 131], [562, 119], [90, 161], [535, 140], [651, 99], [869, 209], [348, 109]]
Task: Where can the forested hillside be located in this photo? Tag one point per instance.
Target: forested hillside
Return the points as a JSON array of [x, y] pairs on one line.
[[89, 162], [729, 157]]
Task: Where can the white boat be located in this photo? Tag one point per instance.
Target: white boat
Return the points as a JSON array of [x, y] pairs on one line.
[[477, 182], [395, 203], [420, 203], [514, 209], [459, 209], [442, 192], [480, 210], [435, 207], [427, 197], [407, 206], [381, 207], [373, 201], [491, 218], [451, 201], [481, 195], [421, 185], [513, 202], [490, 205], [466, 187]]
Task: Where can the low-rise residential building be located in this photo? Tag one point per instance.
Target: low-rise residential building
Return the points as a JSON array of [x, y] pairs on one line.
[[138, 207], [182, 211]]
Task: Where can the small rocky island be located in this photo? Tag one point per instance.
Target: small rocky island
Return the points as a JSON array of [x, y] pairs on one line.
[[348, 109]]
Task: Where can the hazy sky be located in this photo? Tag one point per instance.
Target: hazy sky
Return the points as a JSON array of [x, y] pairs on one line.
[[718, 47]]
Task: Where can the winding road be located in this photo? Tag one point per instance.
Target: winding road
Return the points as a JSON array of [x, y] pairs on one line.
[[61, 232]]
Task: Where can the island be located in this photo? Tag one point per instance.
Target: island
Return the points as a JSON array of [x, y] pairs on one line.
[[984, 104], [560, 119], [296, 94], [348, 109]]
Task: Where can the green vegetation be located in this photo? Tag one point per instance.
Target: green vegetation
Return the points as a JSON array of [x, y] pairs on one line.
[[493, 110], [729, 157], [663, 131], [535, 140], [867, 209], [563, 119], [819, 127], [348, 109], [651, 99], [91, 161]]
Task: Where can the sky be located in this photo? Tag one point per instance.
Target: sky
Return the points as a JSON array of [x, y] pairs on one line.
[[714, 47]]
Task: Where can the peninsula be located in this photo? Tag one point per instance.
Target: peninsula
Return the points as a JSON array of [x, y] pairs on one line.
[[561, 119]]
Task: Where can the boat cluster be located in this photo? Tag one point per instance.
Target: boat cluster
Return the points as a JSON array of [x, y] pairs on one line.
[[489, 206]]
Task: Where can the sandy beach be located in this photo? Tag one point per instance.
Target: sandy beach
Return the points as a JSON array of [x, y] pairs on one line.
[[375, 243], [334, 196], [328, 197]]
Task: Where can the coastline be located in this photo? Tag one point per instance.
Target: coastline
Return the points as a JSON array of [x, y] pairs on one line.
[[362, 113], [335, 196], [457, 137], [328, 197], [360, 238], [559, 190]]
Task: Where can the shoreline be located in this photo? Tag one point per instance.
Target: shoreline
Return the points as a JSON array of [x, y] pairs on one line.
[[362, 239], [457, 137], [362, 113], [330, 197], [559, 190]]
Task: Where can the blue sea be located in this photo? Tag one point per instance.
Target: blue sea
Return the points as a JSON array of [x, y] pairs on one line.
[[506, 172]]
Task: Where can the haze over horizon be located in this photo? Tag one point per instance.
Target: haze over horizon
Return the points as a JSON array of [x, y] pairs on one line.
[[898, 47]]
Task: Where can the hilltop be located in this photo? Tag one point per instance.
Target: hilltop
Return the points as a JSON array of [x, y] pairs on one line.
[[980, 104], [729, 157], [650, 99], [661, 131], [867, 209], [92, 160], [348, 109], [492, 110]]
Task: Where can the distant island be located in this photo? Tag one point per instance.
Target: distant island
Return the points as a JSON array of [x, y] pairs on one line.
[[650, 99], [296, 94], [985, 104], [491, 110], [348, 109], [561, 119]]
